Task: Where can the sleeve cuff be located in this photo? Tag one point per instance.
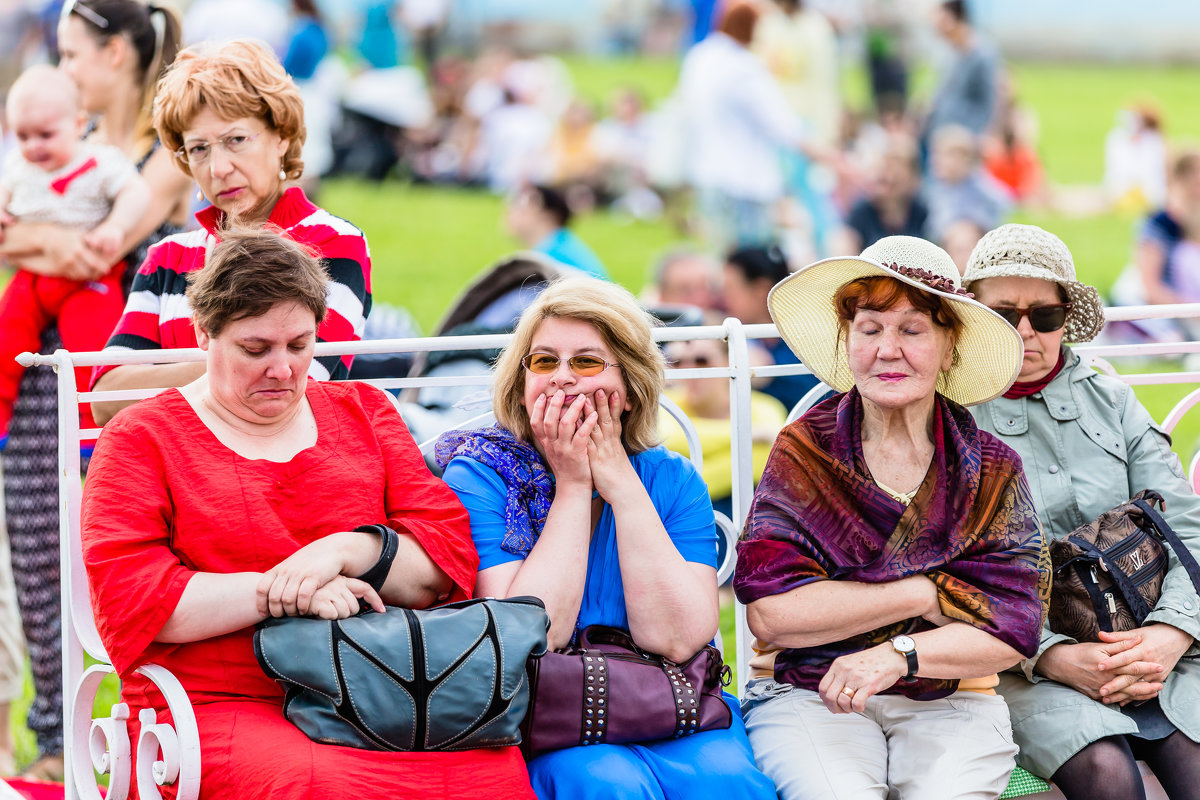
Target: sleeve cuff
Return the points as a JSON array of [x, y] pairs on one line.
[[1185, 621], [1049, 639]]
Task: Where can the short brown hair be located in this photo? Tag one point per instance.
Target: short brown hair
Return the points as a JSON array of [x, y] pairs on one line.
[[249, 272], [626, 329], [881, 293], [241, 78]]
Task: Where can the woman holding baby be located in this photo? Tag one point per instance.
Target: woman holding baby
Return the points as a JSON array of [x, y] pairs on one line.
[[114, 51]]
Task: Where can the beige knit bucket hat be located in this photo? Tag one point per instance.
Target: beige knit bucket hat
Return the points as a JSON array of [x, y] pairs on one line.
[[1027, 251], [989, 350]]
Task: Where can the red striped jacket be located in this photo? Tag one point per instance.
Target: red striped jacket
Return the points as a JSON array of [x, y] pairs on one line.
[[157, 314]]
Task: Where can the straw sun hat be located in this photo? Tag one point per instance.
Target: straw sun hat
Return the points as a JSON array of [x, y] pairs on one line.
[[989, 350], [1027, 251]]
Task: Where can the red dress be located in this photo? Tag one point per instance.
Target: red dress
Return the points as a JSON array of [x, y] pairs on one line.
[[165, 499]]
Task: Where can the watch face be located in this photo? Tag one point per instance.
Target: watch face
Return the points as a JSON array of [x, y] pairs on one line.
[[904, 644]]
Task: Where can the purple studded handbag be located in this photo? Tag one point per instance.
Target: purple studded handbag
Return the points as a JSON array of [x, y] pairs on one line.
[[608, 690]]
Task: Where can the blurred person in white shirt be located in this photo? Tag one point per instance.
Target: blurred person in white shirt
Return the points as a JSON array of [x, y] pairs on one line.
[[224, 20], [738, 123]]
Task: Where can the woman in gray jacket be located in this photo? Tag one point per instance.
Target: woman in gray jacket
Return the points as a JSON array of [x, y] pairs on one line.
[[1083, 713]]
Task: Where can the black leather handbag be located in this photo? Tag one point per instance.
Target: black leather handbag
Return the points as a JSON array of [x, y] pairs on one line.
[[445, 678]]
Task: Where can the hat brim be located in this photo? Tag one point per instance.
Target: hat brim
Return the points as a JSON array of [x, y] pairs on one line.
[[989, 351]]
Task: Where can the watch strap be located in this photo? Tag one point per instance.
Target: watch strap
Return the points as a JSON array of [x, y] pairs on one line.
[[911, 656]]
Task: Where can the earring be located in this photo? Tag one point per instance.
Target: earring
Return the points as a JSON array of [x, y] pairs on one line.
[[199, 194], [282, 174]]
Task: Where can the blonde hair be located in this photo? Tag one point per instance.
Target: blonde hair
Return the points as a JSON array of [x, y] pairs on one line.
[[241, 78], [626, 330]]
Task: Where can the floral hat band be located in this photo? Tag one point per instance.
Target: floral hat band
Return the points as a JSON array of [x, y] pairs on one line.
[[939, 283]]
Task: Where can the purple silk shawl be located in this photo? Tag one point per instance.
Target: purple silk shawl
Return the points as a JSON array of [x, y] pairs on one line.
[[818, 514]]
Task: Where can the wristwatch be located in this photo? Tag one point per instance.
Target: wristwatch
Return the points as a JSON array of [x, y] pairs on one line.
[[905, 646]]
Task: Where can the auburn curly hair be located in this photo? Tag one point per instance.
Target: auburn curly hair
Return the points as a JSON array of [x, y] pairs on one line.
[[240, 78]]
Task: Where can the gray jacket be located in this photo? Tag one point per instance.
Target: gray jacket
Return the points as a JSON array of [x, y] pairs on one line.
[[1087, 445]]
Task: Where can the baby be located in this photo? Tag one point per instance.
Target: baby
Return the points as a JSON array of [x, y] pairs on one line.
[[55, 177]]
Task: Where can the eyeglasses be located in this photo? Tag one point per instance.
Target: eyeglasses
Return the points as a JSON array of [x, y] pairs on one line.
[[1043, 319], [685, 362], [197, 154], [91, 15], [585, 366]]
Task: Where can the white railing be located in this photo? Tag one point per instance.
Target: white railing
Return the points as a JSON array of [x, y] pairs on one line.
[[170, 754]]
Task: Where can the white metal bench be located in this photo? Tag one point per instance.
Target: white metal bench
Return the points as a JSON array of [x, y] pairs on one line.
[[170, 754]]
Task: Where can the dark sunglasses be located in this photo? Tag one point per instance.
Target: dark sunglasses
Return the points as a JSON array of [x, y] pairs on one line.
[[1043, 319], [544, 364]]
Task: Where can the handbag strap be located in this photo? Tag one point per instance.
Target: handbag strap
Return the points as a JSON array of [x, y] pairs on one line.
[[1137, 604], [1181, 550], [595, 697], [687, 700], [1103, 616]]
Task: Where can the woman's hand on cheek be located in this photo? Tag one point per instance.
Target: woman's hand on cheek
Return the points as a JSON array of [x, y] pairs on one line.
[[606, 453], [563, 437]]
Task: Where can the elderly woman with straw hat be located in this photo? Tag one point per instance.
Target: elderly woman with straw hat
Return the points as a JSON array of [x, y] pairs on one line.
[[892, 562], [1083, 713]]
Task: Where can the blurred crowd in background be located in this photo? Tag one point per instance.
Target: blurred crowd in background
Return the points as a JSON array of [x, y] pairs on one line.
[[755, 147]]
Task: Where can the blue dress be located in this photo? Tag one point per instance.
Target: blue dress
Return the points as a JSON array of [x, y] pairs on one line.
[[714, 764]]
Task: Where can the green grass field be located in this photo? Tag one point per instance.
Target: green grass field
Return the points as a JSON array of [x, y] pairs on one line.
[[428, 243]]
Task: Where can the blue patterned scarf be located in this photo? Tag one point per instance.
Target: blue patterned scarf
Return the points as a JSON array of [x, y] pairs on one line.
[[530, 486]]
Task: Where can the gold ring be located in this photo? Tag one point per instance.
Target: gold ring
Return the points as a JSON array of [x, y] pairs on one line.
[[846, 690]]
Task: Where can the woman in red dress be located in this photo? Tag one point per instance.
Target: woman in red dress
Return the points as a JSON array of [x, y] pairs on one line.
[[210, 507]]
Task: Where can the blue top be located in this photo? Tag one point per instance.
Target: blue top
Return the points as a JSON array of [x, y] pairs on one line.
[[675, 488], [379, 46], [567, 248], [307, 48], [1162, 229]]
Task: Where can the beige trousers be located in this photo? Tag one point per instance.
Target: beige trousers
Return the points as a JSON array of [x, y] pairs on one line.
[[957, 748]]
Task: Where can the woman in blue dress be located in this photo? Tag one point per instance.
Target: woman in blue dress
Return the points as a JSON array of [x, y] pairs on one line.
[[572, 501]]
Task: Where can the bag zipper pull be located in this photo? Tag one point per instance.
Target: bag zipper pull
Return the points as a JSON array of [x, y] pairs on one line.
[[1112, 603], [1095, 577]]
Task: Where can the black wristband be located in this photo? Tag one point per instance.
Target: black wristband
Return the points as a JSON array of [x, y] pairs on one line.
[[377, 574]]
